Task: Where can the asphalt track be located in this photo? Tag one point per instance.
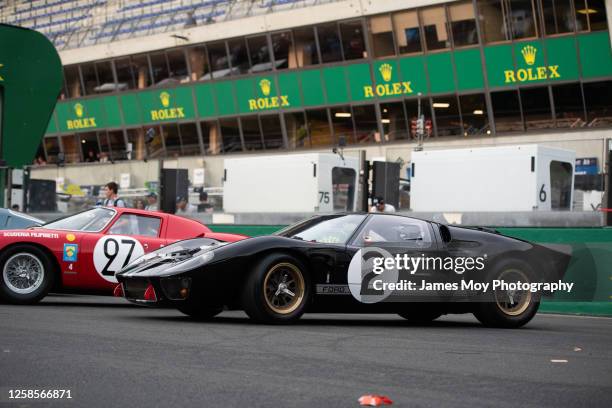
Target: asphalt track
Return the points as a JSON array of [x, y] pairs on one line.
[[112, 354]]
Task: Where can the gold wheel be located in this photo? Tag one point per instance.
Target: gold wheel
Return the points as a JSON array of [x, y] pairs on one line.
[[513, 302], [284, 288]]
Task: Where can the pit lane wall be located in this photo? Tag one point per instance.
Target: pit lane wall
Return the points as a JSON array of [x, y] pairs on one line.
[[590, 268]]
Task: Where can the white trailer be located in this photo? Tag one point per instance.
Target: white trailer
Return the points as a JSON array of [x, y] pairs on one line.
[[290, 183], [504, 178]]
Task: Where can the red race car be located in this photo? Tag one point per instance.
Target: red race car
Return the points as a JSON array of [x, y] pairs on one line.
[[82, 252]]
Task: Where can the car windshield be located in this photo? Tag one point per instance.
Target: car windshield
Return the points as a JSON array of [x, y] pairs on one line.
[[91, 220], [331, 229]]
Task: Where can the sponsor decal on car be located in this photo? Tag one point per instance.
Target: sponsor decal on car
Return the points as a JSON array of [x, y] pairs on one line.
[[70, 237], [70, 252], [24, 234]]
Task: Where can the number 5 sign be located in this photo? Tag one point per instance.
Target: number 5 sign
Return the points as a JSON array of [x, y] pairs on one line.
[[114, 252]]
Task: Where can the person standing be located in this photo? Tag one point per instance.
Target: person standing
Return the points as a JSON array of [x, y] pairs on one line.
[[381, 207], [112, 199], [183, 206], [151, 202]]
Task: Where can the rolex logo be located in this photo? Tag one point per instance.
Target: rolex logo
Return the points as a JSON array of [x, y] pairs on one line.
[[264, 84], [78, 110], [386, 71], [529, 54], [165, 99]]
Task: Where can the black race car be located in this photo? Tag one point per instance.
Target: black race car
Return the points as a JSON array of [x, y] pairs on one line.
[[352, 263]]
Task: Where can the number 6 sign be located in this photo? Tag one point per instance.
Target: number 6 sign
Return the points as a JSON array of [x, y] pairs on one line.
[[113, 252]]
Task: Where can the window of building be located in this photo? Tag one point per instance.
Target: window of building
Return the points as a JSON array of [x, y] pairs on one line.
[[104, 146], [178, 66], [230, 134], [190, 141], [272, 132], [569, 109], [318, 128], [71, 149], [558, 16], [159, 67], [297, 132], [211, 137], [474, 115], [40, 158], [136, 139], [251, 133], [522, 18], [125, 74], [51, 148], [394, 121], [239, 57], [582, 19], [154, 145], [366, 125], [141, 71], [435, 28], [105, 77], [463, 23], [90, 79], [381, 36], [342, 121], [305, 47], [353, 43], [198, 62], [506, 111], [260, 53], [596, 12], [172, 141], [90, 150], [598, 103], [329, 43], [407, 32], [219, 61], [282, 49], [537, 110], [73, 81], [446, 110], [492, 20], [116, 140]]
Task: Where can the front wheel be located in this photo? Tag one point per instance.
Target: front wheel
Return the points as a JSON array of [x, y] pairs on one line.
[[276, 290], [510, 308], [27, 275]]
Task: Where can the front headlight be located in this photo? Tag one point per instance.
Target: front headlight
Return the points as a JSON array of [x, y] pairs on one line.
[[193, 263]]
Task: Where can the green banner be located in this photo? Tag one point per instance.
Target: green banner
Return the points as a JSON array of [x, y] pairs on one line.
[[507, 65]]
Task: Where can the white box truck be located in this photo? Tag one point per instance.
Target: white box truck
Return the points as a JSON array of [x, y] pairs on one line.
[[295, 183], [503, 178]]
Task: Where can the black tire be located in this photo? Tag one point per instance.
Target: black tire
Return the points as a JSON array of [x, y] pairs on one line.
[[7, 292], [421, 314], [492, 314], [259, 306], [202, 313]]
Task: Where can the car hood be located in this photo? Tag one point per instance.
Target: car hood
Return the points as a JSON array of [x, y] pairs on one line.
[[173, 259]]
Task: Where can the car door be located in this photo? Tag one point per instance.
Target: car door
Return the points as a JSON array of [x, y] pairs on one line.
[[393, 249], [129, 236]]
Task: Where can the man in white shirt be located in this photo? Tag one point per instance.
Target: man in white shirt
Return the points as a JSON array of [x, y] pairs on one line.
[[151, 202], [183, 206], [112, 199], [380, 206]]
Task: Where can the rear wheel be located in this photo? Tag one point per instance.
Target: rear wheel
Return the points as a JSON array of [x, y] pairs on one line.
[[27, 275], [510, 308], [276, 290]]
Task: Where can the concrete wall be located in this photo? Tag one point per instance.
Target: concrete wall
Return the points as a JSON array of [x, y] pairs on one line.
[[590, 143]]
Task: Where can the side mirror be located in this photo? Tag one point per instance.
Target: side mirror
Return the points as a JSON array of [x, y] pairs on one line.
[[445, 234]]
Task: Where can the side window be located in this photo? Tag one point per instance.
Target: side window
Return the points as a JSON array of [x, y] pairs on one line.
[[407, 232], [132, 224]]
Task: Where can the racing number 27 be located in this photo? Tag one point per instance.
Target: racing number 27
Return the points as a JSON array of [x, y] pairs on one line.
[[111, 250]]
